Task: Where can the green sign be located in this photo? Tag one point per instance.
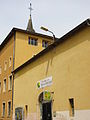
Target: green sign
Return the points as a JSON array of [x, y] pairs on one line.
[[38, 84], [47, 95]]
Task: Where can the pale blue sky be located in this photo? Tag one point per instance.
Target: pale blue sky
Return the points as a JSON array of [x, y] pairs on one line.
[[60, 16]]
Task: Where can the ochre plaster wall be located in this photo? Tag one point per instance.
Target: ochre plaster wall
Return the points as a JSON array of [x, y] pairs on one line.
[[24, 51], [5, 55], [69, 66]]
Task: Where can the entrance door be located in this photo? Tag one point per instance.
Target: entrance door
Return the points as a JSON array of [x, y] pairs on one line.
[[46, 111]]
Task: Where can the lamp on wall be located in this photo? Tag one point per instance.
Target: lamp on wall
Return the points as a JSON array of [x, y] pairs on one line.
[[47, 30]]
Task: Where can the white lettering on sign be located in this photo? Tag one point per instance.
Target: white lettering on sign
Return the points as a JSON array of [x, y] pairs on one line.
[[45, 82]]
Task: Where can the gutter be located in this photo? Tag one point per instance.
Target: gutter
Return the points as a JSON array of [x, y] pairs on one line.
[[13, 73]]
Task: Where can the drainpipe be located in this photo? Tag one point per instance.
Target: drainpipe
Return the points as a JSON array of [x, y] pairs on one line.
[[14, 50], [13, 70]]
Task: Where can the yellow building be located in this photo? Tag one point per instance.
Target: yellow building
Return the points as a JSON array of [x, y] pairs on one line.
[[17, 48], [56, 82]]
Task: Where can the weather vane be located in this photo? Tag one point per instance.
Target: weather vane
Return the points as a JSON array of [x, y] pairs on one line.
[[30, 8]]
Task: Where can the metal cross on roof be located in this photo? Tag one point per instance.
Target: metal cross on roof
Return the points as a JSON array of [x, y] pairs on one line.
[[30, 8]]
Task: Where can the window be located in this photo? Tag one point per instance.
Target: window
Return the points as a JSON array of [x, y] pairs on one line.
[[10, 83], [0, 87], [9, 108], [4, 86], [26, 110], [71, 101], [0, 69], [32, 41], [44, 43], [10, 61], [3, 110], [29, 40], [5, 65]]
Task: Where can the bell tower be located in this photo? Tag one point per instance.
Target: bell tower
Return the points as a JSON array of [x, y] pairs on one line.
[[30, 25]]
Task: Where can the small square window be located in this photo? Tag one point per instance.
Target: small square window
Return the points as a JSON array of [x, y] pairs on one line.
[[32, 41], [9, 108], [3, 110], [44, 43]]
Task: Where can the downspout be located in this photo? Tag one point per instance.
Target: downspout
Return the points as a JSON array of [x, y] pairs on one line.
[[14, 50], [13, 70]]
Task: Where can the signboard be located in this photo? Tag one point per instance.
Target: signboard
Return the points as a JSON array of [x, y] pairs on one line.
[[45, 82], [47, 95]]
